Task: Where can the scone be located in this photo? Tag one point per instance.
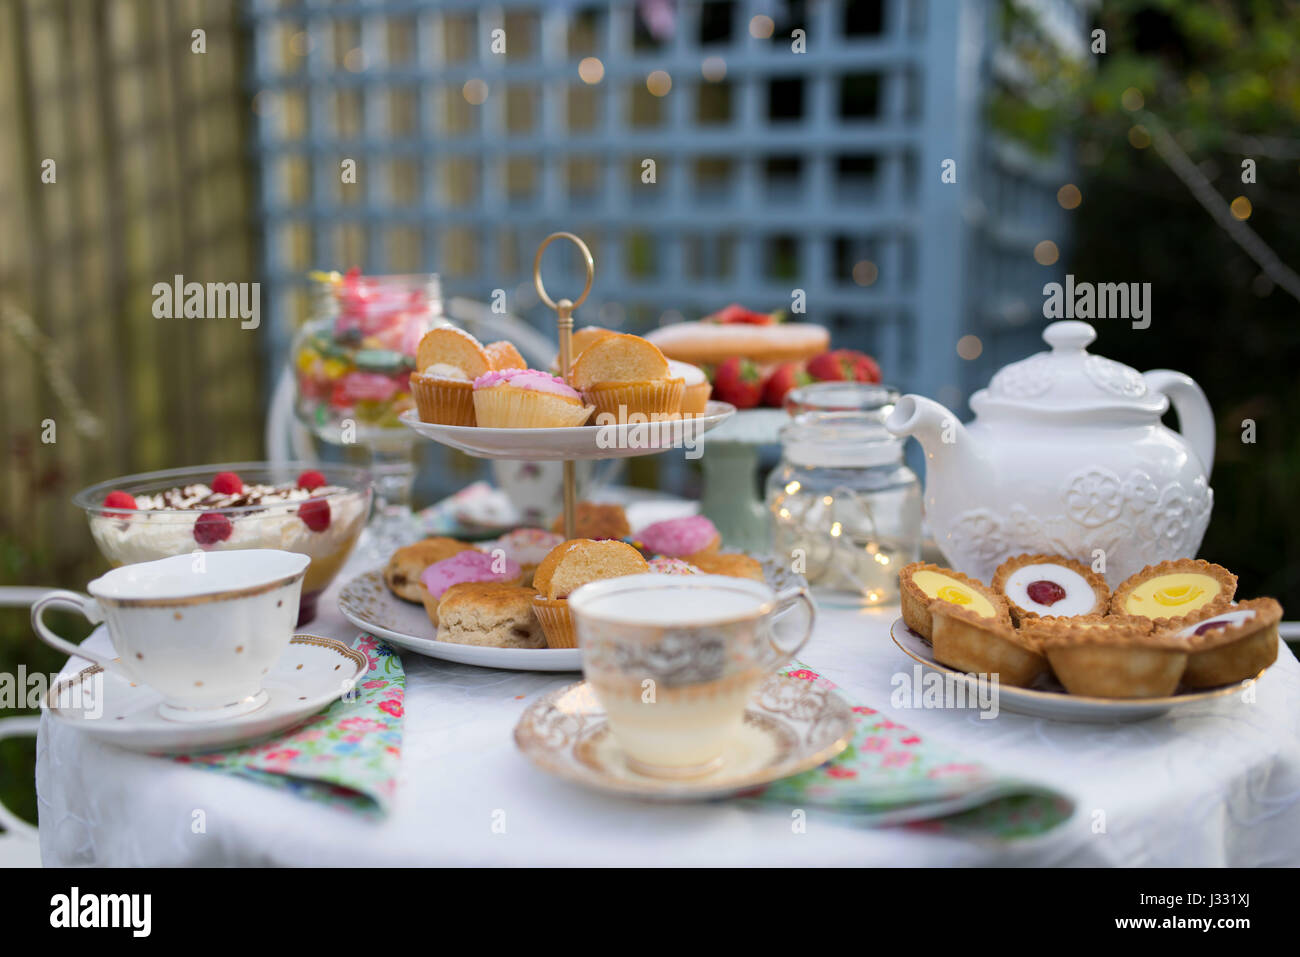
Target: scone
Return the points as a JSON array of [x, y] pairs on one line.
[[466, 566], [596, 520], [1040, 585], [1232, 645], [624, 376], [402, 573], [1110, 656], [1170, 592], [492, 614], [920, 583], [447, 363], [731, 564], [569, 566]]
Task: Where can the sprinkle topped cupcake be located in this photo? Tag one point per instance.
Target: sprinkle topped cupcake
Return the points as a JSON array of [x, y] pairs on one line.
[[526, 399]]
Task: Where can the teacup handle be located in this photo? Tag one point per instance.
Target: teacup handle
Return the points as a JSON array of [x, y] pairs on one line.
[[74, 602], [785, 601]]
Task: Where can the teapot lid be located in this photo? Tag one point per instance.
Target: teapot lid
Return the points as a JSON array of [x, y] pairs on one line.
[[1068, 379]]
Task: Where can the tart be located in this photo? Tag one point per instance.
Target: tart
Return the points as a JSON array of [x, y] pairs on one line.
[[977, 638], [1050, 585], [921, 583], [1110, 656], [1231, 645], [1173, 591]]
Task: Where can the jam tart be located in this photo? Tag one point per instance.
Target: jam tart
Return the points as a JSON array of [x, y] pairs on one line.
[[921, 583], [1110, 656], [969, 639], [1172, 593], [1050, 585], [1230, 645]]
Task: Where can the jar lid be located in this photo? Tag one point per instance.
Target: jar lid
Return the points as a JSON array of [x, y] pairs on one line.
[[839, 440], [842, 397], [1068, 379]]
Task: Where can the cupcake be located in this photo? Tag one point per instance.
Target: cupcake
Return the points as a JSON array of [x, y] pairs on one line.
[[690, 538], [467, 566], [695, 395], [568, 567], [626, 376], [581, 340], [526, 399], [447, 363]]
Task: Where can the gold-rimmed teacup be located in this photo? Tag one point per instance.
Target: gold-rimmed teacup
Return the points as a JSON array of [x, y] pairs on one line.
[[675, 659]]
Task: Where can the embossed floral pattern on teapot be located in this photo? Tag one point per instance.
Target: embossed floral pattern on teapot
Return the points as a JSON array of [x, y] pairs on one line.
[[1067, 455]]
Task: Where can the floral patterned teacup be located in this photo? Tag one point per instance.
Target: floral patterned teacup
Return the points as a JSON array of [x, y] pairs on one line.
[[674, 660]]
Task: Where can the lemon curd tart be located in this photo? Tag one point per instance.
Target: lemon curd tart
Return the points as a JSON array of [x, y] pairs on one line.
[[921, 583], [1231, 645], [1175, 590]]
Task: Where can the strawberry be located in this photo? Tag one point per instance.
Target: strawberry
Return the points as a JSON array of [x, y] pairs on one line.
[[227, 483], [737, 381], [315, 514], [736, 314], [844, 365], [786, 376], [116, 499], [311, 479], [212, 527]]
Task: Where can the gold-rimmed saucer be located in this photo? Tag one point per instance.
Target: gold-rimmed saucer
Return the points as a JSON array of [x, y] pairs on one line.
[[790, 726]]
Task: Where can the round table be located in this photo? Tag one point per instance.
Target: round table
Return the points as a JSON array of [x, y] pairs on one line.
[[1217, 785]]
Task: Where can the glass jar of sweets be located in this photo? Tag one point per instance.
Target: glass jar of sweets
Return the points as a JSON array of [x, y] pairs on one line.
[[846, 511]]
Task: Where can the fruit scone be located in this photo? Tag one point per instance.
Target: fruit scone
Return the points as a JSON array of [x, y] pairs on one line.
[[968, 624], [569, 566], [490, 614], [407, 564], [447, 363]]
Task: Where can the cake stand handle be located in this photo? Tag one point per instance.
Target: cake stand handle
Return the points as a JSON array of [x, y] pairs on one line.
[[564, 326]]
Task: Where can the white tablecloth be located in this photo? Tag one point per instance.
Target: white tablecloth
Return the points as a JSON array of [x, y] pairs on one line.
[[1220, 784]]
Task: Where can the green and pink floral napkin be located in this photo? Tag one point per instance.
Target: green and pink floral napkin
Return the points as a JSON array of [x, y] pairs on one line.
[[890, 774], [346, 755]]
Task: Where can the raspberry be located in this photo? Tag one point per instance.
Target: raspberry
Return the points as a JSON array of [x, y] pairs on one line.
[[310, 480], [227, 483], [1044, 592], [315, 514], [117, 499], [212, 527]]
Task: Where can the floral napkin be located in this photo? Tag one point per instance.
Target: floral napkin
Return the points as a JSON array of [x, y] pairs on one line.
[[346, 755], [890, 774]]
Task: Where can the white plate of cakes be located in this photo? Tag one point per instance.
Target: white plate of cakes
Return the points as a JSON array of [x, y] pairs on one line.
[[503, 603]]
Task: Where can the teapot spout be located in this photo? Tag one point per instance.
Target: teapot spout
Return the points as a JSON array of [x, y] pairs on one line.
[[939, 431]]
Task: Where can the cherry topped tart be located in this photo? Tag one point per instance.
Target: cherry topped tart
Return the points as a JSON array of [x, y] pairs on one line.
[[1231, 645], [1050, 585], [1174, 590], [922, 583]]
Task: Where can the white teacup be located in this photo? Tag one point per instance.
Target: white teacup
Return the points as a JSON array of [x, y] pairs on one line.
[[201, 629], [675, 659]]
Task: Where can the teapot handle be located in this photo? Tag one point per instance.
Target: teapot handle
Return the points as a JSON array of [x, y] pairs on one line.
[[1195, 418]]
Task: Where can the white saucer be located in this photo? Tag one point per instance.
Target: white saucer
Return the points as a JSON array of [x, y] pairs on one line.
[[579, 442], [1048, 699], [367, 603], [311, 674], [790, 726]]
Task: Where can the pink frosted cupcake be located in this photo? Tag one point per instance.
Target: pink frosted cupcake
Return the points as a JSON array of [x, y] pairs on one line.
[[526, 399], [467, 566], [681, 537]]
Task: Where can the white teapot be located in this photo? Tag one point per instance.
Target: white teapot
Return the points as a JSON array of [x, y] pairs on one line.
[[1067, 456]]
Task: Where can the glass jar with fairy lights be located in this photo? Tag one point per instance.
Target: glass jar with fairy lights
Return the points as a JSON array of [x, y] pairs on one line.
[[845, 509]]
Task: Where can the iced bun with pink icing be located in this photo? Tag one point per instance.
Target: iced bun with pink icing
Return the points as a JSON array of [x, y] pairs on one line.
[[527, 399], [685, 538], [466, 566]]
